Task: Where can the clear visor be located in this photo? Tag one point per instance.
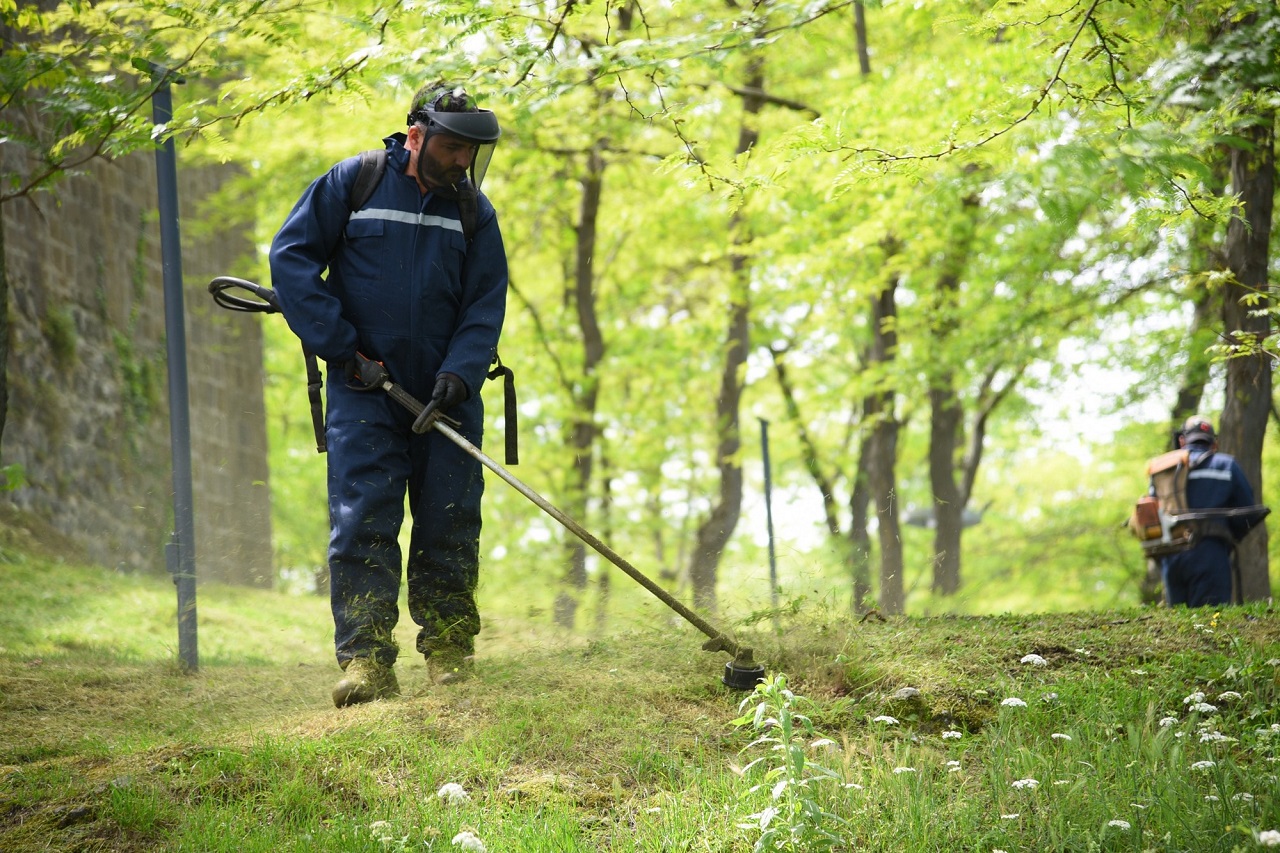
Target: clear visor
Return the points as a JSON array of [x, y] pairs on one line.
[[480, 162]]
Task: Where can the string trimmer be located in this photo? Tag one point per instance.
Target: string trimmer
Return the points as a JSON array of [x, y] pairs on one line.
[[742, 672]]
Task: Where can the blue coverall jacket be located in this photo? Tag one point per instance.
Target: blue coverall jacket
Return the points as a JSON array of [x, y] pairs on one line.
[[1202, 575], [403, 287]]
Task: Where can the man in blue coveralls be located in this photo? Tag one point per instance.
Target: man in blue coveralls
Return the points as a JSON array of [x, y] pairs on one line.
[[407, 285], [1202, 575]]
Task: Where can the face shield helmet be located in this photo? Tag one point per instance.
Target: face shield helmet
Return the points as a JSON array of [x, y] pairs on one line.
[[442, 109]]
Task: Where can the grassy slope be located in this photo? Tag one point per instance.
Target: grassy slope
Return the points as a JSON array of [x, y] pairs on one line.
[[623, 743]]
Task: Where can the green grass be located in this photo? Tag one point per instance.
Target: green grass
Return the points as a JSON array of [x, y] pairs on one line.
[[627, 741]]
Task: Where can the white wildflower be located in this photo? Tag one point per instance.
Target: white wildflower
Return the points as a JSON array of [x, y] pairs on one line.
[[951, 735], [1034, 660], [469, 842], [886, 719], [1213, 737], [953, 766], [1013, 816], [899, 770], [1203, 708], [998, 850], [1269, 838], [654, 810], [1060, 736], [1084, 652], [1013, 702], [823, 742], [1137, 672], [1228, 696], [1204, 765], [1049, 698], [1030, 784], [1242, 798], [1118, 824], [1273, 662], [852, 786], [1166, 722], [381, 830], [1198, 696], [453, 794], [1211, 798]]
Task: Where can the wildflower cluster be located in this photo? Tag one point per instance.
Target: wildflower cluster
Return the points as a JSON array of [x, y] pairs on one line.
[[450, 794]]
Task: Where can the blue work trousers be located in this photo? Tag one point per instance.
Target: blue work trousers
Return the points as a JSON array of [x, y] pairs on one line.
[[1201, 576], [375, 460]]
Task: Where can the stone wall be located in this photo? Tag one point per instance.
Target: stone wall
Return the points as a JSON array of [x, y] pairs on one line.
[[87, 372]]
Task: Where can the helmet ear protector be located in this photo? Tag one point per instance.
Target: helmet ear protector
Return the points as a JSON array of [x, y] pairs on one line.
[[453, 111]]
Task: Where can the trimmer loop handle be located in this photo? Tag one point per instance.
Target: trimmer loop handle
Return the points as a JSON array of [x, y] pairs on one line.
[[264, 304]]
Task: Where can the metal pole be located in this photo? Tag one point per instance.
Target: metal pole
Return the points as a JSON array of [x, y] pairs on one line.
[[181, 552], [768, 514]]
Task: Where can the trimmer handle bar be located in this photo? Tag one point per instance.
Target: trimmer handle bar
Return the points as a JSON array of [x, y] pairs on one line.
[[266, 303]]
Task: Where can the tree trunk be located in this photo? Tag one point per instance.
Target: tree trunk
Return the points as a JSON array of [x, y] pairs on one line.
[[946, 411], [1244, 419], [604, 587], [719, 525], [582, 437], [860, 37], [1207, 308], [860, 495], [946, 415], [884, 454], [4, 341], [859, 521]]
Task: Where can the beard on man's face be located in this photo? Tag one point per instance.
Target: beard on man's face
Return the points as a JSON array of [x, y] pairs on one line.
[[434, 173]]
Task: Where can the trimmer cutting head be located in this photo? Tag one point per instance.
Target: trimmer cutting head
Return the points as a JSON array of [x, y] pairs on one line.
[[743, 673]]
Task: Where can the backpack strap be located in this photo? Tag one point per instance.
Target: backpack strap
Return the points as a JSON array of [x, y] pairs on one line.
[[468, 209], [373, 164]]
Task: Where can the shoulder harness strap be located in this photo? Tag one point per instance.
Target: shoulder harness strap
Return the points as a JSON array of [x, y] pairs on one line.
[[468, 209], [373, 164]]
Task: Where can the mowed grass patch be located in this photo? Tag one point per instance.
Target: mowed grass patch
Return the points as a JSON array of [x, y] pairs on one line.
[[1121, 730]]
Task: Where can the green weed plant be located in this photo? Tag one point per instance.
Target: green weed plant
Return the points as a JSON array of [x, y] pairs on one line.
[[797, 817]]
